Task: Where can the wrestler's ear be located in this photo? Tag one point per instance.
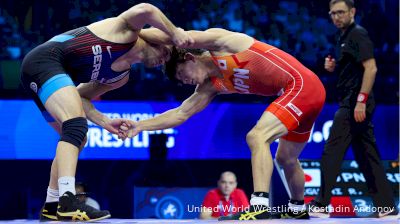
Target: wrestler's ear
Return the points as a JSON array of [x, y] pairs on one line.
[[189, 57]]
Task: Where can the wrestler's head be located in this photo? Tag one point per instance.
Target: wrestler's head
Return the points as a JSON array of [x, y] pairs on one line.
[[186, 66], [155, 55]]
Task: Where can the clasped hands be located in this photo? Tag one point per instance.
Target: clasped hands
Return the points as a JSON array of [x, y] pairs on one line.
[[124, 128]]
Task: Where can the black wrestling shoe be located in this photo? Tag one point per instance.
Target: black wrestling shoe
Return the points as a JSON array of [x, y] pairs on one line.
[[71, 209], [392, 212], [292, 214], [48, 212], [254, 213], [317, 209]]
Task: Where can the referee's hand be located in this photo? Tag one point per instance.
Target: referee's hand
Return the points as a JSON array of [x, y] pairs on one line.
[[359, 112], [330, 64]]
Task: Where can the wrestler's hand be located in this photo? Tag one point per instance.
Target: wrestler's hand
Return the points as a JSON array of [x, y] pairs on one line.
[[113, 126], [182, 39], [130, 128]]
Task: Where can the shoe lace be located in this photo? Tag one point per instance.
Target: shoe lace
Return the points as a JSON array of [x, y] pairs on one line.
[[250, 215]]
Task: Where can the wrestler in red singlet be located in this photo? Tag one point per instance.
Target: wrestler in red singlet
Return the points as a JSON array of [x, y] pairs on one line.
[[265, 70]]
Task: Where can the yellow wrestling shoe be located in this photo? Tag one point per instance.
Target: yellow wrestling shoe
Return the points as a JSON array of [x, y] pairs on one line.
[[71, 209]]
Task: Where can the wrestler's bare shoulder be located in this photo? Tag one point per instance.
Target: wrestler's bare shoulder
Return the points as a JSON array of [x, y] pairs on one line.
[[233, 42], [114, 29]]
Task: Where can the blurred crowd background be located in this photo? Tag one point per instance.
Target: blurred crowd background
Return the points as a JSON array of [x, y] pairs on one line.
[[301, 28]]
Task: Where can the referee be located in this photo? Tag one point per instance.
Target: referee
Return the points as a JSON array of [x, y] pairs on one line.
[[352, 124]]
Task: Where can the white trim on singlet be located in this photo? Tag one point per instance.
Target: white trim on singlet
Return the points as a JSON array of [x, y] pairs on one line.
[[288, 111], [270, 50], [294, 80], [302, 81], [116, 79], [301, 132]]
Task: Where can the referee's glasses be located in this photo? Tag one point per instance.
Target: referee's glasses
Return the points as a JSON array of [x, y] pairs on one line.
[[338, 13]]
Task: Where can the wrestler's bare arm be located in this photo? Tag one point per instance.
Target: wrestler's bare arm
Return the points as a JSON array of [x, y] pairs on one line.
[[91, 90], [144, 13], [209, 40], [199, 100], [214, 39]]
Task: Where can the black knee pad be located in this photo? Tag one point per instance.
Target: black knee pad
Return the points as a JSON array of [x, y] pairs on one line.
[[74, 131]]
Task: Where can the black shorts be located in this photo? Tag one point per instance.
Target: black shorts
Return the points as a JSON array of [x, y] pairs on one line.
[[42, 73]]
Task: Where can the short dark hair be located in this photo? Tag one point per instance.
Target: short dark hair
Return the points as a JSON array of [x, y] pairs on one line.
[[349, 3], [178, 57]]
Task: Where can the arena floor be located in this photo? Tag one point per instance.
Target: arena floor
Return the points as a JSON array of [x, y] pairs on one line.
[[385, 220]]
